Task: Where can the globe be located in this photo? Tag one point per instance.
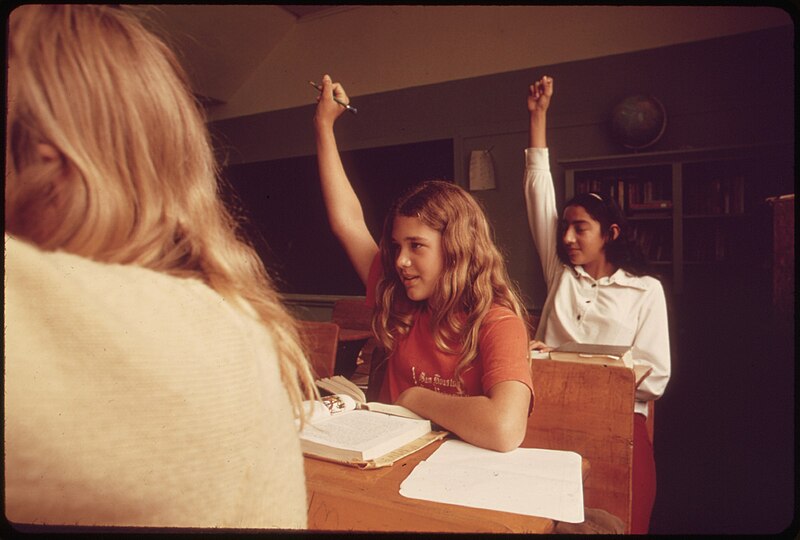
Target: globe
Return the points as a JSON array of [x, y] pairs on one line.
[[638, 121]]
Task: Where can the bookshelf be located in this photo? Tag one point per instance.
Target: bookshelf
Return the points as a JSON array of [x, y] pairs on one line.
[[698, 214]]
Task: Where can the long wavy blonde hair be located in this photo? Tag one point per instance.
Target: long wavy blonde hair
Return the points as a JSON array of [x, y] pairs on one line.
[[135, 180], [474, 276]]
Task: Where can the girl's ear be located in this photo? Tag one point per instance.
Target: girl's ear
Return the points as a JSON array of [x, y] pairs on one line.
[[59, 170], [49, 155], [47, 152], [613, 232]]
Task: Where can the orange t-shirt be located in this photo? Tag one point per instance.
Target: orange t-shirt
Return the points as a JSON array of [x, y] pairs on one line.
[[417, 361]]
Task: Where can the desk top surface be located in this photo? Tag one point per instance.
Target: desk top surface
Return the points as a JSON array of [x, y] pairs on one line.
[[346, 498]]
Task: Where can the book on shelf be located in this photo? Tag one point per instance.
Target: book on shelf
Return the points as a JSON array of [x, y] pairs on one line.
[[654, 241], [360, 434], [737, 203], [716, 196], [647, 195], [620, 193], [651, 205], [607, 355]]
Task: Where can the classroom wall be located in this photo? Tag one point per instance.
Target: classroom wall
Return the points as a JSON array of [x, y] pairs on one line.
[[378, 48], [730, 90]]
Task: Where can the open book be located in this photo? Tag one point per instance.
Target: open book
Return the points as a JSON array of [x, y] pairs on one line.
[[341, 386], [593, 353], [365, 435]]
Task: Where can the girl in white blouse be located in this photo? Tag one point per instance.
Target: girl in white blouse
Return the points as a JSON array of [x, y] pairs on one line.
[[598, 288]]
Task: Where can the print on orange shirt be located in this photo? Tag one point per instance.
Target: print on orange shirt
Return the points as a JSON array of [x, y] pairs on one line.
[[435, 382]]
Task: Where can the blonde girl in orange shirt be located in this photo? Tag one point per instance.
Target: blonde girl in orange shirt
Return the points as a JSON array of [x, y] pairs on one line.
[[436, 263]]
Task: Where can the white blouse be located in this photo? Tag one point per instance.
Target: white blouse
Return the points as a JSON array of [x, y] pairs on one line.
[[621, 309]]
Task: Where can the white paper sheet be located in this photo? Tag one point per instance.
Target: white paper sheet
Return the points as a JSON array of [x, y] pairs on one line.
[[530, 481]]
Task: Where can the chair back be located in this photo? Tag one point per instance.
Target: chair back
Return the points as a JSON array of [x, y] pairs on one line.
[[352, 313], [377, 373], [354, 318], [587, 409], [320, 340]]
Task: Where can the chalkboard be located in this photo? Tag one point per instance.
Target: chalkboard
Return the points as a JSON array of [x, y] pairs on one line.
[[286, 220]]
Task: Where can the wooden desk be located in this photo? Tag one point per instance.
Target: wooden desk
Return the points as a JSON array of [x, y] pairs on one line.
[[350, 334], [342, 498]]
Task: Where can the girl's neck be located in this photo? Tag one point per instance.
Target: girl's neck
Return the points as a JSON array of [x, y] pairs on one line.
[[599, 269]]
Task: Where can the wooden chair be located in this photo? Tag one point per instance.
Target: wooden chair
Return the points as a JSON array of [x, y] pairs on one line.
[[588, 409], [320, 340], [354, 319], [377, 372], [352, 314]]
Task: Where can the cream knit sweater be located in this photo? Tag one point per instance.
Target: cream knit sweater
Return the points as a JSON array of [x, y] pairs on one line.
[[133, 398]]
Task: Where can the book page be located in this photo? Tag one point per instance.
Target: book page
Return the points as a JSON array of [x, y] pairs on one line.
[[319, 410], [353, 430], [341, 385], [364, 434], [395, 410]]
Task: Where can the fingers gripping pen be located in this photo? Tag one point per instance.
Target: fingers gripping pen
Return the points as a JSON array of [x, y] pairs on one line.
[[342, 103]]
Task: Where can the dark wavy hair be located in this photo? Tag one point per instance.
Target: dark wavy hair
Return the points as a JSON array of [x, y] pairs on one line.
[[621, 251]]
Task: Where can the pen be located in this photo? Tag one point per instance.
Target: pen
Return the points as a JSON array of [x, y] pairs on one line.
[[345, 105]]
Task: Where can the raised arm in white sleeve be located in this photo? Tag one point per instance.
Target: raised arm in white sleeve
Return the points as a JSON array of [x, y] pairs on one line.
[[540, 200]]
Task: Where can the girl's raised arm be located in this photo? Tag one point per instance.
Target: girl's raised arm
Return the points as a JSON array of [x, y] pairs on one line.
[[540, 197], [344, 209], [538, 101]]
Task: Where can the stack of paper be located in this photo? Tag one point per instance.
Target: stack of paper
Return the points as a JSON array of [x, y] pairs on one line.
[[529, 481]]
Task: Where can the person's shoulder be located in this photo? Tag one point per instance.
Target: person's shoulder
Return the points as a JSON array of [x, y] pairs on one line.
[[502, 315], [54, 269], [26, 256], [644, 282], [18, 248]]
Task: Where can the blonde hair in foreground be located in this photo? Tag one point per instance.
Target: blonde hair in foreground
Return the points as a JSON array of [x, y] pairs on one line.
[[473, 279], [135, 179]]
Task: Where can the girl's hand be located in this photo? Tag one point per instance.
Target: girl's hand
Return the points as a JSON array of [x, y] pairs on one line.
[[540, 93], [539, 346], [327, 109]]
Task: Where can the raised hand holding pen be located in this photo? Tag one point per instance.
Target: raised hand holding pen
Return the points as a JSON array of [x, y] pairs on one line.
[[341, 202], [333, 92]]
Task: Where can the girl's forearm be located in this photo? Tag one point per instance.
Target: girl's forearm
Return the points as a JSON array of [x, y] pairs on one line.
[[494, 423], [341, 201], [538, 130], [345, 214]]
